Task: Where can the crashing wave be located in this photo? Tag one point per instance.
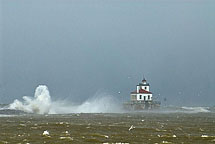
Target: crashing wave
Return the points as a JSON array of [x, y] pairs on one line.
[[196, 109], [101, 103], [41, 104]]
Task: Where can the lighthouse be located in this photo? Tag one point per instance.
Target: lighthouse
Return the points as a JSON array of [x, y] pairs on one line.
[[141, 98], [142, 92]]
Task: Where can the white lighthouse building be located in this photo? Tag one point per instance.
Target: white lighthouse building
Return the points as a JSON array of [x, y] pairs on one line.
[[142, 92], [141, 98]]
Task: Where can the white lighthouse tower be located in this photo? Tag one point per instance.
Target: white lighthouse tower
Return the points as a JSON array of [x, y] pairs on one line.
[[142, 92]]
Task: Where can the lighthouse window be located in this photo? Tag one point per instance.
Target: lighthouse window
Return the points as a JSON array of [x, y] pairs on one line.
[[148, 96], [140, 96], [145, 88]]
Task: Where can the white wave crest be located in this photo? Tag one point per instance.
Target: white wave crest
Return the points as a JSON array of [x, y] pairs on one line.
[[42, 104], [196, 109]]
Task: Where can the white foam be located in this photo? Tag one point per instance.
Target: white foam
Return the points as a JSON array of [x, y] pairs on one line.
[[2, 115], [46, 133], [184, 109], [41, 104], [196, 109], [100, 103]]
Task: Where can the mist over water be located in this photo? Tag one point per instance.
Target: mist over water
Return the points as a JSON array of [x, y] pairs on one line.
[[41, 103], [97, 104]]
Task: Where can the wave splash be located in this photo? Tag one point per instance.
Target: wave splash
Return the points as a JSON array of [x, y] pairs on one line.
[[196, 109], [41, 103], [100, 103]]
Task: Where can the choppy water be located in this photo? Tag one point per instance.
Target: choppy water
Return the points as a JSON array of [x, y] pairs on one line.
[[87, 125], [152, 128]]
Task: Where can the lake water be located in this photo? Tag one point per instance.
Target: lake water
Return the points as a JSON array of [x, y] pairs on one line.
[[140, 127]]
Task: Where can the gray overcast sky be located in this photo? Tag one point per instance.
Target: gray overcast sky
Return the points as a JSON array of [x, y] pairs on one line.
[[80, 47]]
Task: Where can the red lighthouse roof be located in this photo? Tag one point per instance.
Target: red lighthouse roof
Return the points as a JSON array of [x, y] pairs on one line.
[[142, 91]]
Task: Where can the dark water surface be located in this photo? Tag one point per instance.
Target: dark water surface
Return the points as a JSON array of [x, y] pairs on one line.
[[149, 128]]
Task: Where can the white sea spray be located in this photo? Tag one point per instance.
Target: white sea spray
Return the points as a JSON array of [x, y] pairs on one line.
[[41, 103]]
